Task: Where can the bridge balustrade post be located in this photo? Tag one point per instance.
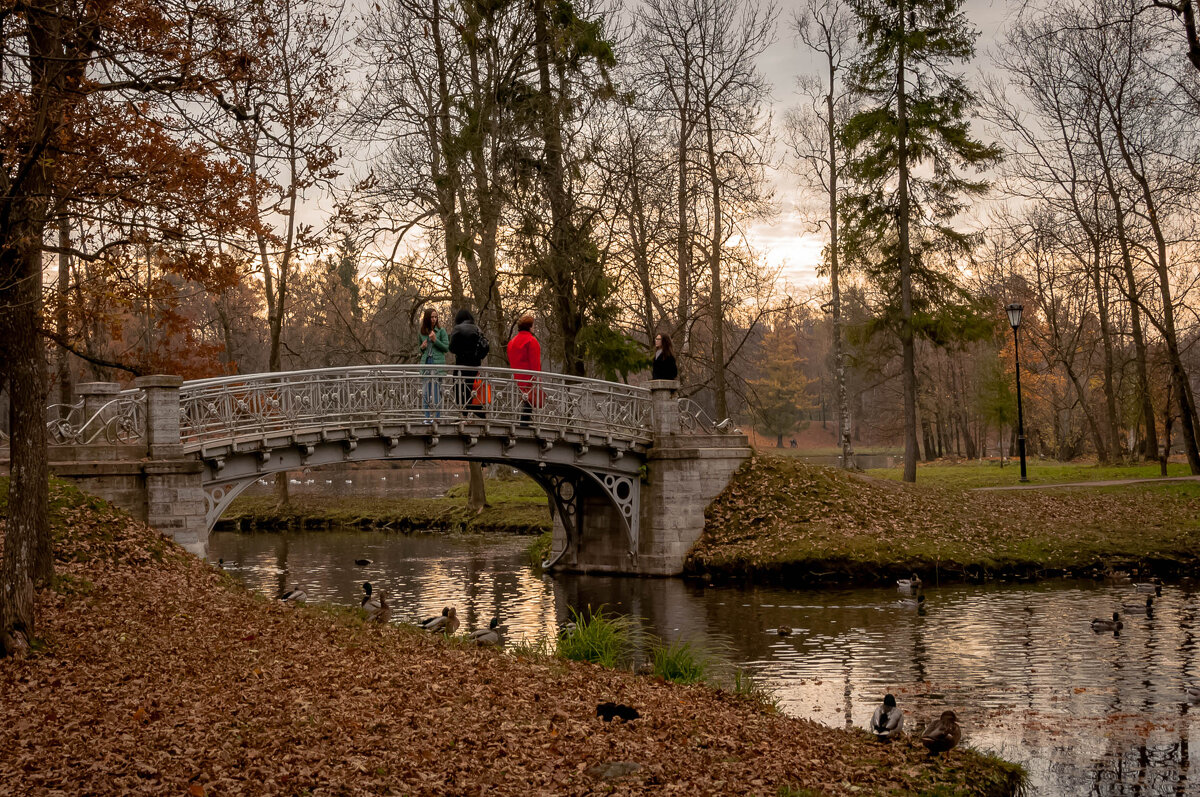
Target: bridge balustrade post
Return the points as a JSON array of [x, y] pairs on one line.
[[175, 502], [95, 395], [664, 409], [162, 414]]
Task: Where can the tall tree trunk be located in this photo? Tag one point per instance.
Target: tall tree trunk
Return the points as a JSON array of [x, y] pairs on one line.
[[683, 241], [62, 317], [27, 546], [1097, 437], [1183, 390], [554, 182], [446, 184], [1110, 398], [716, 309], [908, 350], [839, 357], [1150, 443]]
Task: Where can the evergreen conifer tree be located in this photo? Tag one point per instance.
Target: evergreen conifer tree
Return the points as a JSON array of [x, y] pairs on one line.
[[908, 146]]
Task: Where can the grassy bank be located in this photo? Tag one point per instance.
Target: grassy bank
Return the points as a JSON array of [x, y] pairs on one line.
[[989, 473], [785, 520], [156, 674], [515, 506]]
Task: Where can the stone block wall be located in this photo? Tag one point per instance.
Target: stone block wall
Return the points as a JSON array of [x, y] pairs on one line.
[[154, 482]]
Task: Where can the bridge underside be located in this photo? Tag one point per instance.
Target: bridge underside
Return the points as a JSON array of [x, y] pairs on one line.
[[585, 477]]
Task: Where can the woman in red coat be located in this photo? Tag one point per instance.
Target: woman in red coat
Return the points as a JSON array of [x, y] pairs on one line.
[[525, 354]]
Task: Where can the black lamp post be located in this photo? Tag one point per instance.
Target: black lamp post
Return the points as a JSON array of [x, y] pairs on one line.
[[1014, 318]]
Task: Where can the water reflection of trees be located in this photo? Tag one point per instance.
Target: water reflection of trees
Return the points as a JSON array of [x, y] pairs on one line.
[[1091, 714]]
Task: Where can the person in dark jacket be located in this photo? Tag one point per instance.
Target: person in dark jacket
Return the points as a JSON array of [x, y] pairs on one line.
[[469, 347], [664, 359]]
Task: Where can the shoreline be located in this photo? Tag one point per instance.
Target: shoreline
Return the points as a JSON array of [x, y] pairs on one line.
[[314, 698]]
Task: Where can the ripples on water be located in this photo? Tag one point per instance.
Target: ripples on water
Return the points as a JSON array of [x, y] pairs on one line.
[[1086, 714]]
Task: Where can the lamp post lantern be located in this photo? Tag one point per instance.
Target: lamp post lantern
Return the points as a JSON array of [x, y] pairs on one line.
[[1014, 318]]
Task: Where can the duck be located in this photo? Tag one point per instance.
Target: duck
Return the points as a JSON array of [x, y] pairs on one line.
[[1193, 693], [887, 720], [1147, 607], [428, 621], [1153, 586], [489, 635], [362, 562], [1114, 624], [914, 603], [366, 594], [942, 735], [377, 608], [784, 630], [294, 595], [446, 624], [1117, 576], [910, 585]]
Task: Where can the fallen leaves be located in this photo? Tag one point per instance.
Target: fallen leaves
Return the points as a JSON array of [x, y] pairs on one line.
[[780, 515], [185, 705]]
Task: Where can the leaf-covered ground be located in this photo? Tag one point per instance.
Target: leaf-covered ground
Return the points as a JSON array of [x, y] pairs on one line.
[[156, 674], [780, 517]]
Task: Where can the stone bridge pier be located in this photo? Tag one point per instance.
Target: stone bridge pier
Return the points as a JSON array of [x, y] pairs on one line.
[[628, 473], [151, 478], [685, 470]]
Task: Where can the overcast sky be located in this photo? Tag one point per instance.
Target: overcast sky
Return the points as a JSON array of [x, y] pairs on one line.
[[788, 240]]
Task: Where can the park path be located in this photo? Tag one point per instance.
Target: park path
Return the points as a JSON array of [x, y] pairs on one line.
[[1105, 483]]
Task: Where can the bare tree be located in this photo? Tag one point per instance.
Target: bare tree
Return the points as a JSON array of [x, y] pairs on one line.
[[827, 28]]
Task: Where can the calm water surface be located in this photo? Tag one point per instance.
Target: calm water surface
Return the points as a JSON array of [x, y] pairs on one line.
[[1086, 714]]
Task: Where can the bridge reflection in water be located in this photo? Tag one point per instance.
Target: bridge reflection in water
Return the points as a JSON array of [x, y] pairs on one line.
[[1086, 714]]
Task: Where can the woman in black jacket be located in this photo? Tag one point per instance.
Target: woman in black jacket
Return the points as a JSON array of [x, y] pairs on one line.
[[664, 359]]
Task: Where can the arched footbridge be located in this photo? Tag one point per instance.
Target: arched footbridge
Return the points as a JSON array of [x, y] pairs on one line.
[[591, 444]]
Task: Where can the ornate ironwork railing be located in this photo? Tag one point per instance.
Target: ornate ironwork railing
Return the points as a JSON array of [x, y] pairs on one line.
[[234, 407], [120, 420], [693, 419]]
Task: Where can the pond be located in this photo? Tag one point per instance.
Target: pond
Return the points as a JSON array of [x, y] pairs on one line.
[[1086, 713]]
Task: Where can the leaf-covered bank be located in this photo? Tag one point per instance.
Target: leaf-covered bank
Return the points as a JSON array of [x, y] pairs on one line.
[[514, 507], [783, 520], [155, 673]]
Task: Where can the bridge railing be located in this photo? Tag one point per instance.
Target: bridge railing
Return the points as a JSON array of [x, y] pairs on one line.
[[119, 419], [234, 407]]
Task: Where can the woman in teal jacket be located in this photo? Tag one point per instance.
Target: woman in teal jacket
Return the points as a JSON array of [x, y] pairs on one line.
[[434, 345]]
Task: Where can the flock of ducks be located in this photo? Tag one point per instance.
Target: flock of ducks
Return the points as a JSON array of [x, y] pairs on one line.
[[945, 733], [374, 603], [941, 735]]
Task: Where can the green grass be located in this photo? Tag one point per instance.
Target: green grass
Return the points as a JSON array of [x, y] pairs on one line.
[[599, 638], [515, 506], [988, 473], [680, 662], [539, 549]]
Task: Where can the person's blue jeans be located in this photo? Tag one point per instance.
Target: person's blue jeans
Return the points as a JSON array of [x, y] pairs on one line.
[[431, 396]]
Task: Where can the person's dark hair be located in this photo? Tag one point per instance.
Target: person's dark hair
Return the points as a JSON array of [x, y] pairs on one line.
[[463, 315], [667, 347], [427, 322], [525, 322]]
